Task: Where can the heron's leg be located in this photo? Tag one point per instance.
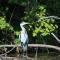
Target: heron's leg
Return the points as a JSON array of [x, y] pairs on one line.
[[26, 53], [21, 44], [22, 48], [23, 52]]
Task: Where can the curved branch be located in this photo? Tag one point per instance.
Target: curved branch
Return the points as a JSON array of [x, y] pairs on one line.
[[55, 17], [34, 45], [46, 46]]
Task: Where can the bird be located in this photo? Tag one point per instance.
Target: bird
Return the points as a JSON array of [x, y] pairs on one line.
[[24, 37]]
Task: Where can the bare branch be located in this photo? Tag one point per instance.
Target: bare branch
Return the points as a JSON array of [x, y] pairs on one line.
[[12, 14], [7, 52], [48, 17], [55, 17], [55, 37], [34, 45]]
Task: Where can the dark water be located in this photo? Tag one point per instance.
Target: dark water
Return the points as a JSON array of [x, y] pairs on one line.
[[40, 56]]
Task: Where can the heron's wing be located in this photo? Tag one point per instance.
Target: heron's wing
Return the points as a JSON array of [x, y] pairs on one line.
[[24, 36]]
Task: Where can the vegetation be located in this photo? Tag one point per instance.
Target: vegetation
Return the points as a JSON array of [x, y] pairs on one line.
[[13, 12]]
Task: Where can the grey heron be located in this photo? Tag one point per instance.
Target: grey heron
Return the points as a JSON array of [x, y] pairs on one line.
[[24, 37]]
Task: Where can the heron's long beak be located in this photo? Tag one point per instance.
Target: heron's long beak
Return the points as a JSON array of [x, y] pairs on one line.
[[27, 23]]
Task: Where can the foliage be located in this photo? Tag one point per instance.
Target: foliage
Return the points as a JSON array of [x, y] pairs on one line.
[[34, 14], [17, 41], [4, 24], [6, 32], [44, 27], [6, 36], [41, 25], [20, 2], [53, 8]]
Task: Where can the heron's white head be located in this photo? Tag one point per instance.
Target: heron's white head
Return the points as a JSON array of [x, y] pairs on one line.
[[23, 23]]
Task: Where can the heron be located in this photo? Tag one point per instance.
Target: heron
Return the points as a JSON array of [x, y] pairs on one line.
[[24, 38]]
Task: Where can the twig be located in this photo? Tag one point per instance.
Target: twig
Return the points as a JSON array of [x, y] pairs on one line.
[[7, 52], [55, 37], [55, 17], [12, 15]]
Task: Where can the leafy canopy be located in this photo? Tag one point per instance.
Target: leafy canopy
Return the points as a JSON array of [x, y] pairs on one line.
[[40, 25], [4, 24], [44, 26]]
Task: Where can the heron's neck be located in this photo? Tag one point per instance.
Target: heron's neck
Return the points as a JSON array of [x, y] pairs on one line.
[[23, 29]]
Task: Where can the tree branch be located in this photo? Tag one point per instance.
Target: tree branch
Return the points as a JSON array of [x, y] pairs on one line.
[[55, 17], [12, 14], [55, 37], [34, 45]]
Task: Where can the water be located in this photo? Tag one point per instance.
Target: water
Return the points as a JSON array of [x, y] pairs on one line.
[[40, 56], [32, 56]]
